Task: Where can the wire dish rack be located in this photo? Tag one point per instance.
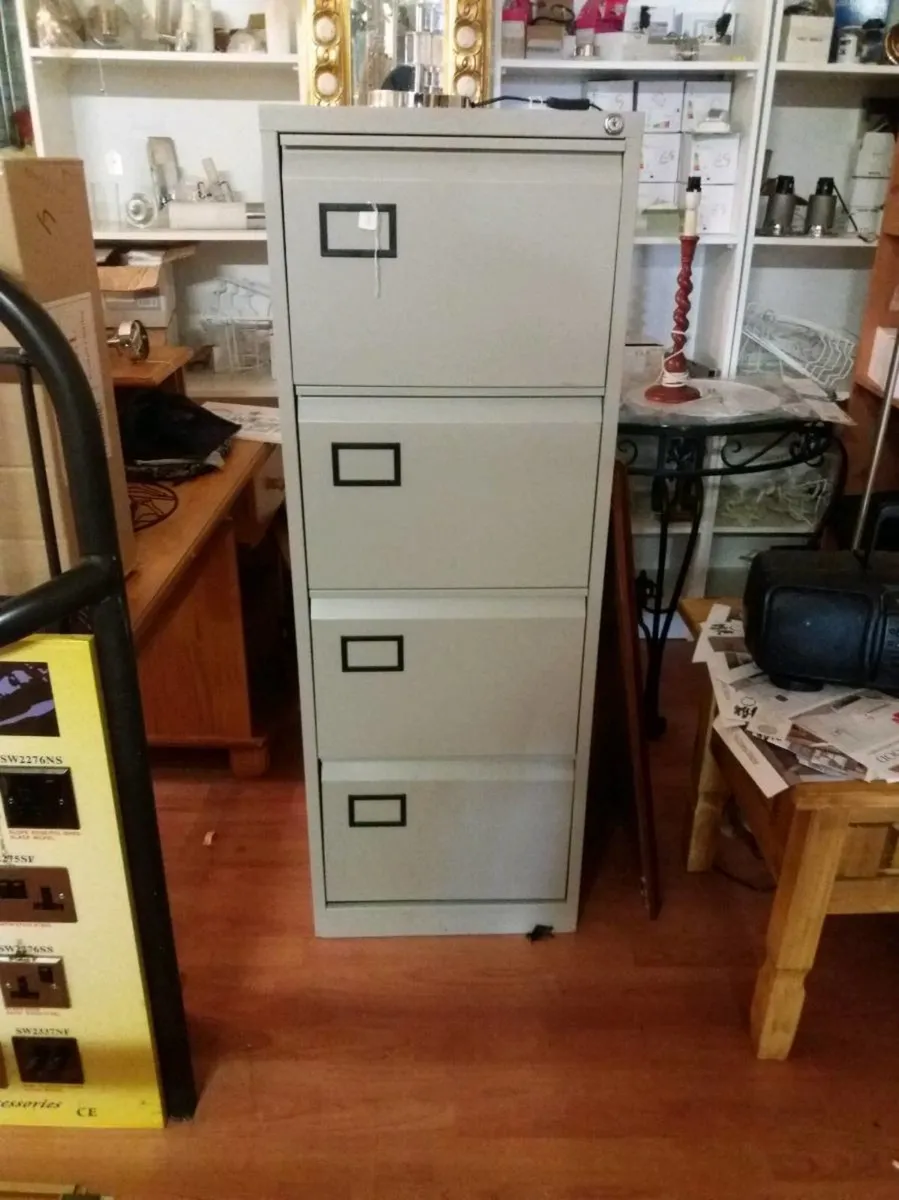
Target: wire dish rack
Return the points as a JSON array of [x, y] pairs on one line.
[[793, 347], [795, 499]]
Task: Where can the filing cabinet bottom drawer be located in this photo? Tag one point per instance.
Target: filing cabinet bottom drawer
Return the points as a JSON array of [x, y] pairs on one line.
[[446, 831]]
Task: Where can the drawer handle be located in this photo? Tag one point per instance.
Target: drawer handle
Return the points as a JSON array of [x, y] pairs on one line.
[[378, 812], [366, 464], [372, 654], [377, 250]]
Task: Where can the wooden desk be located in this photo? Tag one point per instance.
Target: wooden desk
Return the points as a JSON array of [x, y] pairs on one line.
[[832, 847], [185, 605]]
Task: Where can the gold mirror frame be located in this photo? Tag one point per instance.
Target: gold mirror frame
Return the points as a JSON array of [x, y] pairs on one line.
[[326, 54]]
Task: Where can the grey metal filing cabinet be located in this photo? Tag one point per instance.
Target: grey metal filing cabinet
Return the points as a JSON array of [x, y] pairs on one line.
[[450, 291]]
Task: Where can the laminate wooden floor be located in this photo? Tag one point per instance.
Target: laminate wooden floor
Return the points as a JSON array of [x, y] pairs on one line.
[[614, 1063]]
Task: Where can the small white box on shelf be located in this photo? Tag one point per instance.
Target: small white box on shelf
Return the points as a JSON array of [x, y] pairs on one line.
[[649, 194], [881, 354], [867, 221], [867, 193], [662, 18], [875, 156], [713, 157], [716, 208], [657, 211], [806, 39], [702, 99], [514, 39], [642, 362], [661, 154], [661, 102], [613, 97]]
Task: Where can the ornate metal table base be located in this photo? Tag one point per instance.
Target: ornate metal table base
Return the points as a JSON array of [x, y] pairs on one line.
[[683, 460]]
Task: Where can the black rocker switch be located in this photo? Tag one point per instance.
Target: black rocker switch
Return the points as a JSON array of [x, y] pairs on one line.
[[48, 1059], [22, 993], [47, 902], [39, 799]]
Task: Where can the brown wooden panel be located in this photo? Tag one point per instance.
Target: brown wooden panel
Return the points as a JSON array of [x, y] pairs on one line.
[[864, 851], [769, 825], [852, 896], [882, 308], [193, 671]]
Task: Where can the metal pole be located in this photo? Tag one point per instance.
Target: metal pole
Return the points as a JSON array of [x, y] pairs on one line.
[[889, 391]]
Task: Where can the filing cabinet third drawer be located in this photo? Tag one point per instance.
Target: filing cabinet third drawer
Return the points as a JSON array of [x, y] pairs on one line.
[[450, 295]]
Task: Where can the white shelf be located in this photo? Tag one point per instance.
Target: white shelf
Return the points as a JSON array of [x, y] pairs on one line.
[[794, 529], [837, 69], [168, 57], [165, 236], [810, 243], [609, 66], [707, 239], [207, 385]]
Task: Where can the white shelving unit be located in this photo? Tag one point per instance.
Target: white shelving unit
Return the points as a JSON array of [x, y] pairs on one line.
[[597, 68], [102, 105]]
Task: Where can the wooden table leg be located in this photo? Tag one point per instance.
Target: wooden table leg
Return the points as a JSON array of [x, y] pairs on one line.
[[247, 762], [810, 865], [710, 791]]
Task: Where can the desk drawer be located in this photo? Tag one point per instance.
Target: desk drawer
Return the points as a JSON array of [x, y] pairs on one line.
[[455, 494], [438, 831], [443, 677]]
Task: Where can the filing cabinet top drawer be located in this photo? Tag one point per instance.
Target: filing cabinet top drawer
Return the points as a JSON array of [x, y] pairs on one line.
[[414, 268]]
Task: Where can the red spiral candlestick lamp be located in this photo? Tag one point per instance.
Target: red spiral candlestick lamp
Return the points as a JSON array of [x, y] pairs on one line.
[[674, 387]]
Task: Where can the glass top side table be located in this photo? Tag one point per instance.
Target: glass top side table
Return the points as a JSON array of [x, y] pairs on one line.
[[688, 449]]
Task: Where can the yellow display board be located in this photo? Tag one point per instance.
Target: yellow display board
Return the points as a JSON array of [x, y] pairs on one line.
[[76, 1046]]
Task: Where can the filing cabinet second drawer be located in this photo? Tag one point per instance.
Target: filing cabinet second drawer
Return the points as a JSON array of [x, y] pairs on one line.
[[442, 493], [443, 831], [442, 677]]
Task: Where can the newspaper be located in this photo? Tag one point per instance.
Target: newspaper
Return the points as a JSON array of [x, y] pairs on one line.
[[257, 424], [784, 736]]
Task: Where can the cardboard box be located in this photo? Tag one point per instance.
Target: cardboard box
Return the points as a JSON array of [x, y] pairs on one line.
[[714, 158], [875, 156], [661, 101], [716, 209], [47, 245], [612, 96], [806, 39], [140, 286], [702, 99], [661, 154], [545, 38]]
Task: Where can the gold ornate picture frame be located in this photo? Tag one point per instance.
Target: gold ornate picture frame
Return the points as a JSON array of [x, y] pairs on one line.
[[327, 50]]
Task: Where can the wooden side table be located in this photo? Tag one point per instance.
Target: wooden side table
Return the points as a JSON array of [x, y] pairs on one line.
[[832, 847]]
